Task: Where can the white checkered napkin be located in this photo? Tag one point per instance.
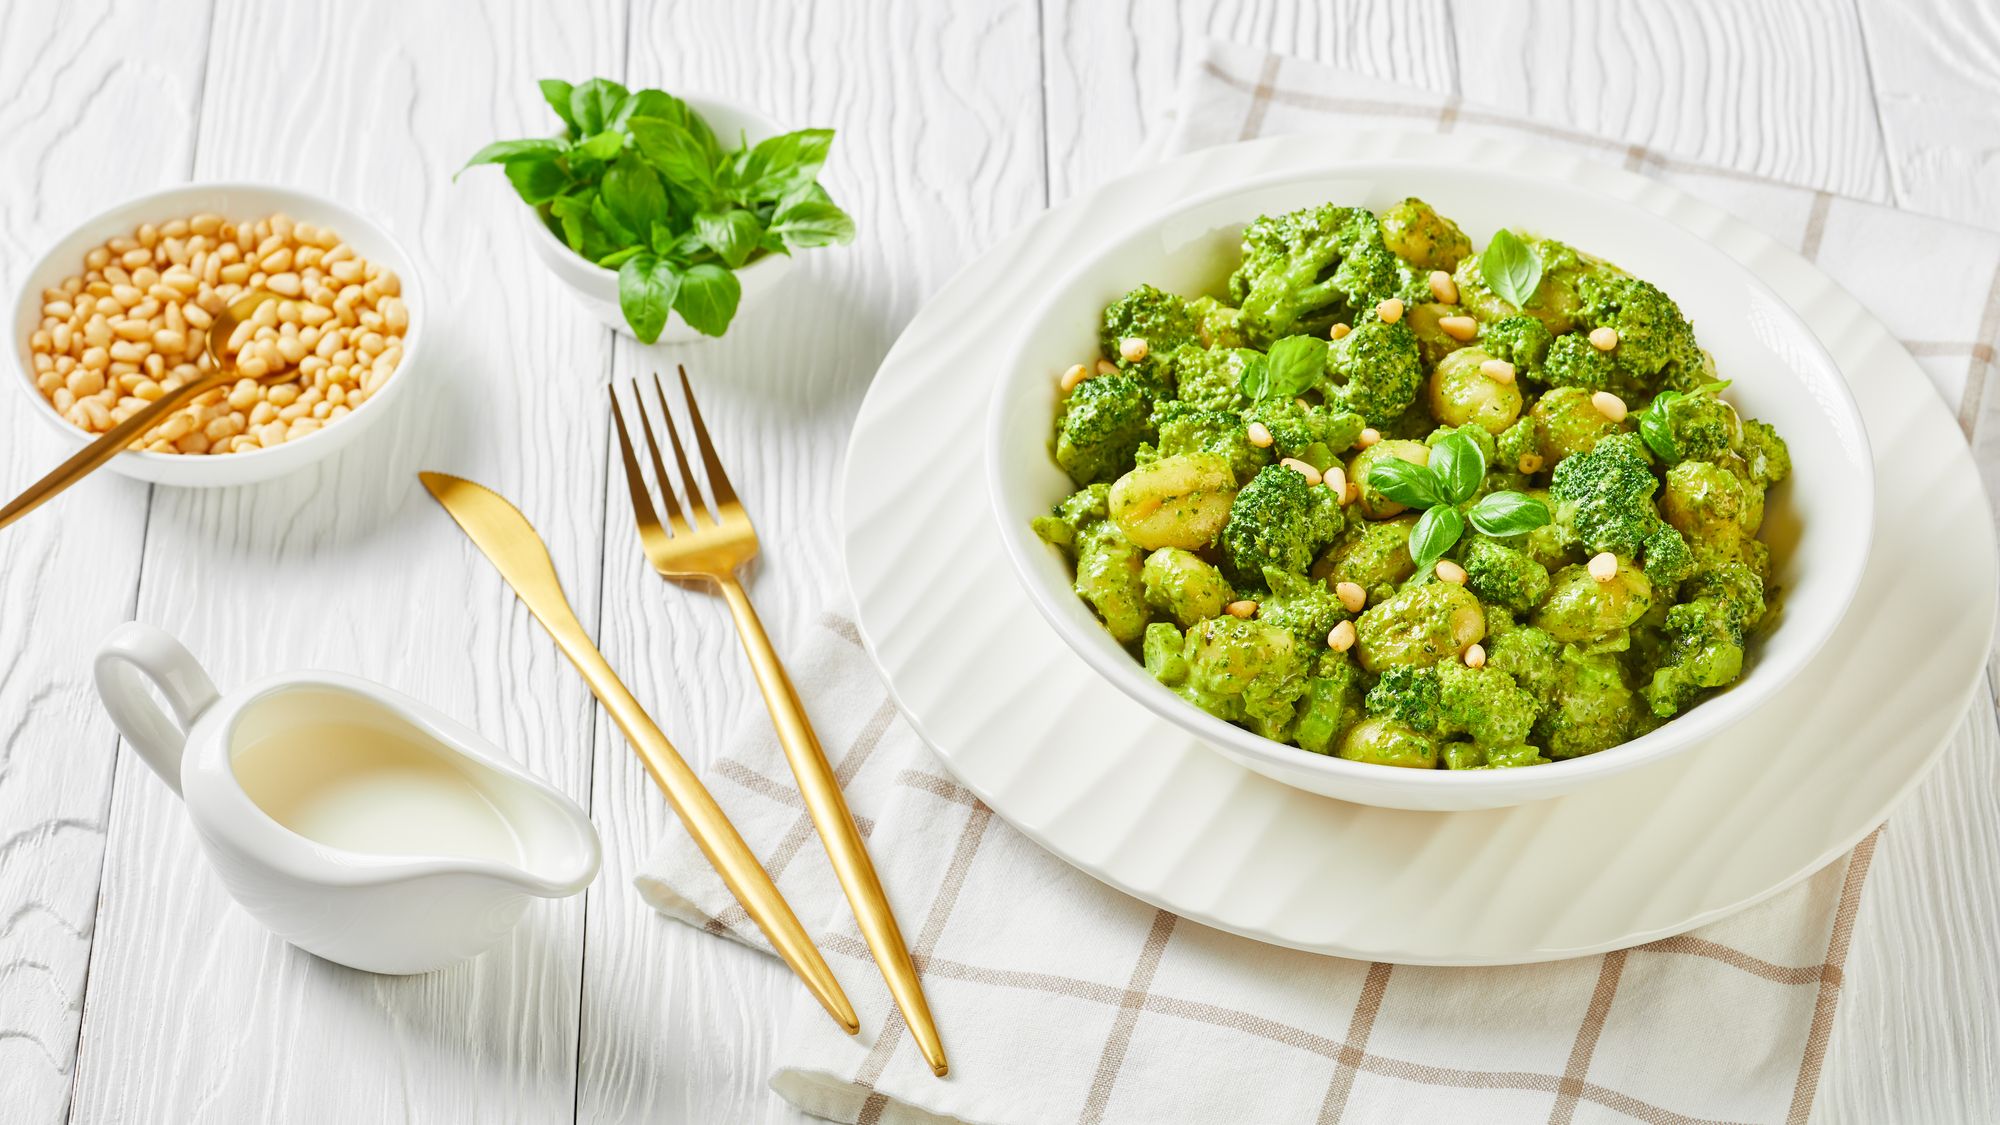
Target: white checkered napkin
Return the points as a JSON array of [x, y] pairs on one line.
[[1090, 1006]]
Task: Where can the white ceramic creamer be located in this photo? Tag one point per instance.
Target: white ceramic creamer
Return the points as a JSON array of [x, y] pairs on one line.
[[356, 823]]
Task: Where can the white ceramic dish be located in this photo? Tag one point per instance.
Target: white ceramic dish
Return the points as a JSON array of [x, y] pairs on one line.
[[1818, 521], [596, 288], [234, 201], [1140, 803]]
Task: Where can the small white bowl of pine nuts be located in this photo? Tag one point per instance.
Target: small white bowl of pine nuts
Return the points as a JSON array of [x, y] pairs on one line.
[[114, 314]]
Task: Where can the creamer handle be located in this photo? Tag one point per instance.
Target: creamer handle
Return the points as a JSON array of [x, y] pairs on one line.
[[133, 656]]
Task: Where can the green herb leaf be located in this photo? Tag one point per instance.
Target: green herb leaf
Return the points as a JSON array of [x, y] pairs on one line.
[[708, 297], [648, 287], [662, 105], [1437, 529], [1251, 382], [537, 179], [1405, 483], [593, 105], [1511, 267], [812, 222], [1501, 514], [731, 234], [600, 146], [781, 164], [557, 93], [618, 258], [508, 152], [635, 194], [678, 154], [1653, 428], [1296, 362], [1459, 466]]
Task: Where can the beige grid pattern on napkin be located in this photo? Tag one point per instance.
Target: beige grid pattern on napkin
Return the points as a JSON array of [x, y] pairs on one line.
[[1063, 1000]]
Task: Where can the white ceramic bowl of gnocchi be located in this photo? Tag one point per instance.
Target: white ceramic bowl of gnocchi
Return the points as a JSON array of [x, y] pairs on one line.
[[233, 201], [1817, 523]]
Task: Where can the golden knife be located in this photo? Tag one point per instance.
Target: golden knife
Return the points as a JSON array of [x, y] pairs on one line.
[[506, 538]]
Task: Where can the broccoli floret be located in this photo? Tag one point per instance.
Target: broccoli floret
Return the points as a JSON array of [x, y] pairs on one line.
[[1708, 504], [1524, 652], [1212, 378], [1704, 650], [1572, 361], [1308, 608], [1221, 325], [1606, 494], [1247, 672], [1375, 370], [1765, 453], [1654, 339], [1520, 340], [1733, 584], [1416, 233], [1303, 269], [1668, 558], [1186, 428], [1330, 705], [1296, 428], [1102, 424], [1077, 511], [1516, 446], [1277, 520], [1180, 585], [1108, 576], [1161, 319], [1409, 696], [1484, 703], [1503, 576], [1590, 708], [1698, 426]]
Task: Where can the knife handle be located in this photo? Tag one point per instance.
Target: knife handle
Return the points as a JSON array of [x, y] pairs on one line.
[[717, 837]]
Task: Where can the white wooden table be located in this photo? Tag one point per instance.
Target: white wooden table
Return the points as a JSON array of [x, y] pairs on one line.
[[130, 989]]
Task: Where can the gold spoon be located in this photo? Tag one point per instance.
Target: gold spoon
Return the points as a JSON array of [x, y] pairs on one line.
[[221, 373]]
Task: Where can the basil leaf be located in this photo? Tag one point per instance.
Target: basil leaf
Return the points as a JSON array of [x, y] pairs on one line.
[[677, 153], [612, 226], [648, 287], [1295, 364], [634, 193], [731, 234], [537, 180], [811, 222], [1459, 466], [1501, 514], [1405, 483], [557, 93], [1437, 529], [660, 104], [618, 258], [600, 146], [708, 296], [1653, 428], [1511, 267], [782, 163], [1251, 382], [508, 152], [593, 105]]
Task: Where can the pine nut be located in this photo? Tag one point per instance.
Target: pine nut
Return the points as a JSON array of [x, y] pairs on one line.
[[1368, 437], [1242, 610], [1132, 348], [1449, 571], [1259, 435], [1335, 478], [1077, 373], [1390, 311], [1603, 566], [1609, 405], [1339, 330], [1341, 637], [1303, 469], [1475, 656], [1444, 288], [1460, 328], [1604, 338], [1498, 370], [1351, 595], [1106, 367]]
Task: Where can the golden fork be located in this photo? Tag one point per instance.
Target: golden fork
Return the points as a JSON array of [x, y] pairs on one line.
[[221, 373], [687, 548]]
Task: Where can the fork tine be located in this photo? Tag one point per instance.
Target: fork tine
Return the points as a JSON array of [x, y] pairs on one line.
[[642, 502], [717, 479], [681, 526], [695, 501]]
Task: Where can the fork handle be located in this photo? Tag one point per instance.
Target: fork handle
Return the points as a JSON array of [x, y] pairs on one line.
[[113, 442], [830, 815]]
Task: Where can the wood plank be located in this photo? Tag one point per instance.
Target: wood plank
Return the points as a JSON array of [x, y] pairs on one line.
[[1777, 89], [1932, 63], [105, 103], [938, 154], [194, 1012]]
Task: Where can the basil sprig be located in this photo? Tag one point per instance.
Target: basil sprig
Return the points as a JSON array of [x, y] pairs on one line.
[[1511, 267], [639, 183], [1456, 467], [1290, 368], [1653, 426]]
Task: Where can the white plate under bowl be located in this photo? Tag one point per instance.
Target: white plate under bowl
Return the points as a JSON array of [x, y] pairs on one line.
[[1817, 521], [1138, 802], [235, 202]]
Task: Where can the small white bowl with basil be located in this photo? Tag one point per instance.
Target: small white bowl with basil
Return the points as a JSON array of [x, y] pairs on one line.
[[661, 228]]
